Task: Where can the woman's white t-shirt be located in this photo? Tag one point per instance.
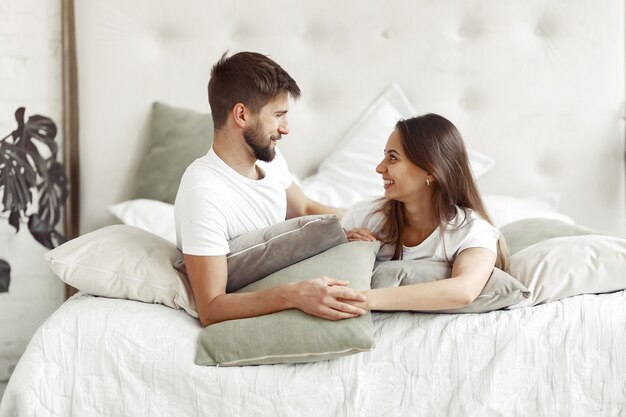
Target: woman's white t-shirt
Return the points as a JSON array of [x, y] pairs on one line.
[[215, 203], [466, 230]]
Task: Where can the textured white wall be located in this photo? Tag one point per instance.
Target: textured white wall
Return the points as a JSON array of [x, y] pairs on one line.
[[30, 76]]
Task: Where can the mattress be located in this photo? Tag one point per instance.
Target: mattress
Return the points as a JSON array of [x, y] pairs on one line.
[[109, 357]]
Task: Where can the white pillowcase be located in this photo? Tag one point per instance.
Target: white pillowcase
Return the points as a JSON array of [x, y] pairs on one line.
[[505, 209], [348, 174], [125, 262], [150, 215], [568, 266]]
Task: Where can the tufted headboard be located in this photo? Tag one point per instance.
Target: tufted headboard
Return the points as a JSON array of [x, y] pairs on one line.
[[538, 85]]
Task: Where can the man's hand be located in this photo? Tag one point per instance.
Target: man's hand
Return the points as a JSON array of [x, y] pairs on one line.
[[327, 298], [360, 234]]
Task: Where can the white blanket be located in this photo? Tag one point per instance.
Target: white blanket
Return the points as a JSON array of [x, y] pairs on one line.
[[107, 357]]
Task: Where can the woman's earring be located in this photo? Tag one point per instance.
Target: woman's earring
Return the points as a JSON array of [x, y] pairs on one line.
[[427, 182]]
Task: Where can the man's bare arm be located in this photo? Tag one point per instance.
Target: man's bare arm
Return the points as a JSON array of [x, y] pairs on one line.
[[322, 297]]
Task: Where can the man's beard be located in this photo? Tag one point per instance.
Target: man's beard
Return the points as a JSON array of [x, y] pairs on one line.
[[255, 137]]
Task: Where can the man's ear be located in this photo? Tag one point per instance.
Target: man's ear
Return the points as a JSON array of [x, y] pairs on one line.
[[240, 114]]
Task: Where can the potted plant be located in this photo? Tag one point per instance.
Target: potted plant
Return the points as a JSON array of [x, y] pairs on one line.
[[33, 183]]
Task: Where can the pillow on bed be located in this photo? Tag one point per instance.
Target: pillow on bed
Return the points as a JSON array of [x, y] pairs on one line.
[[568, 266], [126, 262], [342, 184], [256, 254], [505, 209], [501, 290], [527, 232], [177, 137], [151, 215], [292, 336]]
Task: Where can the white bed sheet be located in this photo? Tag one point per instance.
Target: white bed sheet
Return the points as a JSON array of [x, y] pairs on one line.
[[108, 357]]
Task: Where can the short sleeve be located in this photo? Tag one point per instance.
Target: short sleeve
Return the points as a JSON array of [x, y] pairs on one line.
[[479, 234], [202, 226]]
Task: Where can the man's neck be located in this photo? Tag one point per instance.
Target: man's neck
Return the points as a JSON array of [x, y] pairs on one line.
[[234, 152]]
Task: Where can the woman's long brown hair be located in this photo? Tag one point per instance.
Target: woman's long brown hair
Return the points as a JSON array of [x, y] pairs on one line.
[[434, 144]]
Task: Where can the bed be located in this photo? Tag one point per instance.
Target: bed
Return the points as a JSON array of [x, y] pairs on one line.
[[537, 90]]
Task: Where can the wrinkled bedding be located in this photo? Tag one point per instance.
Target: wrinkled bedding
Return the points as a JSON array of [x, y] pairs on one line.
[[108, 357]]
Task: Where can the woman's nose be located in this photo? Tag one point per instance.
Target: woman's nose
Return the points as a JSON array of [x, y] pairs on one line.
[[380, 168]]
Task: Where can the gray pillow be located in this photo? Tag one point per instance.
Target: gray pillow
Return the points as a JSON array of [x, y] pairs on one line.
[[527, 232], [501, 290], [176, 138], [256, 254], [292, 336]]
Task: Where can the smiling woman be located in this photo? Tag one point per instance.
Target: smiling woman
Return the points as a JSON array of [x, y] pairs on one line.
[[432, 210]]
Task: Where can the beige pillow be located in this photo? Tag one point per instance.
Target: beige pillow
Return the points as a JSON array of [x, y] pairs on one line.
[[524, 233], [292, 336], [124, 262], [568, 266], [501, 290]]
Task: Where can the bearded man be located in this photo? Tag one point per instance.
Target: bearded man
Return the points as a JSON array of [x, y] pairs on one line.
[[243, 184]]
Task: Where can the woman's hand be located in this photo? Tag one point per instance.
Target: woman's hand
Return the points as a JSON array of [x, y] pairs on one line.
[[360, 234]]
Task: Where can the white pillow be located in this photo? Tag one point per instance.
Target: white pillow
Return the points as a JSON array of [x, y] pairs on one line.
[[348, 174], [151, 215], [505, 209], [126, 262], [567, 266]]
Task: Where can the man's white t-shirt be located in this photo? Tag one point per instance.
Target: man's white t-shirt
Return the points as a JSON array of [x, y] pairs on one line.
[[466, 230], [215, 203]]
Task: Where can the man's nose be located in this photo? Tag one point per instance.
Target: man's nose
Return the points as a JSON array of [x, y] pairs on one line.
[[283, 129]]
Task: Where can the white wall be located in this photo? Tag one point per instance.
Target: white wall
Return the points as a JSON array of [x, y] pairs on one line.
[[30, 76]]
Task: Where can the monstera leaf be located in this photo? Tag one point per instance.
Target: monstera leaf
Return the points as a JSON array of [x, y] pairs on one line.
[[27, 165], [52, 193], [37, 129], [5, 276], [44, 233], [17, 178]]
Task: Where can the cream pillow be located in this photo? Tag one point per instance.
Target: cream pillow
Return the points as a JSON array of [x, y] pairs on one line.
[[126, 262], [568, 266], [348, 174]]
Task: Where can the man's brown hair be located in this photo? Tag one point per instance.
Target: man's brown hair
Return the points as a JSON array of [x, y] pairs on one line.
[[249, 78]]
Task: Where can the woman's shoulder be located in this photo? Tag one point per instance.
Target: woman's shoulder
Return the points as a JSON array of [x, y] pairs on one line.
[[361, 213], [469, 220]]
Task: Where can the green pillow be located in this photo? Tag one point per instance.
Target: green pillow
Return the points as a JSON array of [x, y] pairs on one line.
[[501, 290], [177, 137], [524, 233], [292, 336]]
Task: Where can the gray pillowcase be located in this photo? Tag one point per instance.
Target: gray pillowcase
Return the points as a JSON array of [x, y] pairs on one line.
[[256, 254], [292, 336], [177, 137], [526, 232], [501, 290]]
